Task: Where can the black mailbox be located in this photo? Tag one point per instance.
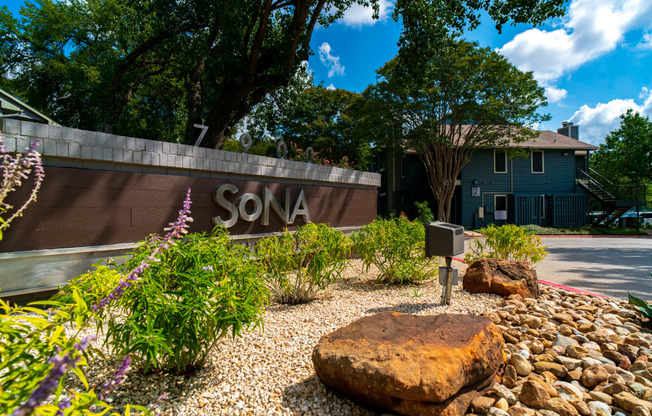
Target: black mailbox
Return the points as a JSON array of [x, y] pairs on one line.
[[444, 239]]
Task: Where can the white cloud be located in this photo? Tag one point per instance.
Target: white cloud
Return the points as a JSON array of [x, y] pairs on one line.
[[331, 87], [358, 15], [590, 29], [596, 123], [646, 42], [330, 61], [555, 94]]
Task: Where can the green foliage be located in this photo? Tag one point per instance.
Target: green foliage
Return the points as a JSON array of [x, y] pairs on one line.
[[642, 307], [317, 117], [446, 102], [296, 264], [29, 338], [626, 155], [396, 246], [200, 290], [88, 289], [153, 68], [425, 214], [509, 242]]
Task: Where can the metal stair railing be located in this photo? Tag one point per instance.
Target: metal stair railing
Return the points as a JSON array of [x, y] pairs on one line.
[[595, 187], [634, 194]]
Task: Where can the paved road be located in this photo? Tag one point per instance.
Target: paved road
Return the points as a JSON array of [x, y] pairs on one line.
[[608, 266]]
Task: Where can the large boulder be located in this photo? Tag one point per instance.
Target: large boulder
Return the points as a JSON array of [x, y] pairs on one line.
[[410, 364], [502, 277]]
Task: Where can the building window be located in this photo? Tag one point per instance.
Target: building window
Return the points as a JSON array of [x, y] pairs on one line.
[[537, 161], [500, 207], [500, 162]]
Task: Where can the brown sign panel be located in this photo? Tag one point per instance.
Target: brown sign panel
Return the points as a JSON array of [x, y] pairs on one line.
[[82, 207]]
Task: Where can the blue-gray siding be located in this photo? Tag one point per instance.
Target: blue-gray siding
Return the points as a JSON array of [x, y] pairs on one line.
[[558, 179]]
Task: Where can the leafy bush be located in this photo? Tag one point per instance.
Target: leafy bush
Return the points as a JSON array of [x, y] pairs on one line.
[[425, 214], [296, 264], [509, 242], [35, 353], [397, 247], [198, 291], [85, 290]]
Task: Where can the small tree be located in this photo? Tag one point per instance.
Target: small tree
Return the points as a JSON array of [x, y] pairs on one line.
[[626, 155], [449, 100]]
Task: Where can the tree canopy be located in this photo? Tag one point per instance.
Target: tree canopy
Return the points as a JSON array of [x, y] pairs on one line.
[[449, 102], [154, 68], [626, 155], [317, 117]]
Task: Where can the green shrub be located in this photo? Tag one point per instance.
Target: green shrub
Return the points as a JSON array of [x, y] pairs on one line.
[[198, 291], [87, 289], [296, 264], [509, 242], [425, 214], [396, 246], [34, 354]]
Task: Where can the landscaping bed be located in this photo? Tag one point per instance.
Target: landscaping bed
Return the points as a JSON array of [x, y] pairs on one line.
[[269, 371]]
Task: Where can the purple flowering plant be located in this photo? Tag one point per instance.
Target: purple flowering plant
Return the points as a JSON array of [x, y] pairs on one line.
[[200, 289], [36, 353], [16, 168]]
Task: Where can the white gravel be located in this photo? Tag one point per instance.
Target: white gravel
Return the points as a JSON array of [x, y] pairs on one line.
[[270, 371]]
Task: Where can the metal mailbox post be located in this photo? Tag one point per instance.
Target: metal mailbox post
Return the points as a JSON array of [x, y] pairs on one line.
[[445, 240]]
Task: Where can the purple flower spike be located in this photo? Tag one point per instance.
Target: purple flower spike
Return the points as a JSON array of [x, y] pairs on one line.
[[117, 379], [63, 405], [176, 229], [61, 364]]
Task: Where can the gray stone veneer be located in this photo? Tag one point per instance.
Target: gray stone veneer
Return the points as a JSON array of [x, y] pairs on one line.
[[64, 146]]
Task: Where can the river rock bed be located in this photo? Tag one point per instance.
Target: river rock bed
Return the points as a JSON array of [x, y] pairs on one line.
[[570, 354], [567, 346]]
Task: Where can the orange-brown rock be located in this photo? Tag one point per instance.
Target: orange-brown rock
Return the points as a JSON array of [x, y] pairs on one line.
[[502, 277], [410, 364]]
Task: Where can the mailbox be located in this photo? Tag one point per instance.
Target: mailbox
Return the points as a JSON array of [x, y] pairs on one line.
[[444, 239]]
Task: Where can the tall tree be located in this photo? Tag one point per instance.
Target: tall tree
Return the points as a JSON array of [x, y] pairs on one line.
[[626, 155], [318, 117], [453, 100], [156, 67]]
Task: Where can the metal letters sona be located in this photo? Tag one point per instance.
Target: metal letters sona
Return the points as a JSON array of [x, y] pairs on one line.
[[257, 206]]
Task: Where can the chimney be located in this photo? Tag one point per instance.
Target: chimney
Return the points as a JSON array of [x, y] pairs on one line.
[[569, 130]]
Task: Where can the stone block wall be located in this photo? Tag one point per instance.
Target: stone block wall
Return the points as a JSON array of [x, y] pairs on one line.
[[103, 192]]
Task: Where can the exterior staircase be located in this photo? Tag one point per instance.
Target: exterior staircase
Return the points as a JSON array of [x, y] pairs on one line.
[[614, 200]]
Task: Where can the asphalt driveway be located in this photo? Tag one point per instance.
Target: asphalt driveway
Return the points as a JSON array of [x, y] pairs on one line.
[[609, 266]]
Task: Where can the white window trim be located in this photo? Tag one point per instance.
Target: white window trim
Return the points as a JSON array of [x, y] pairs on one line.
[[543, 162], [506, 202], [506, 168]]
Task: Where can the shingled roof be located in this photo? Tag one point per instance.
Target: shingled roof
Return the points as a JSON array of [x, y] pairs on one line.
[[550, 140]]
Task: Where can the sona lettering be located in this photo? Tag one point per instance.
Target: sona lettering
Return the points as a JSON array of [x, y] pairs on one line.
[[250, 206]]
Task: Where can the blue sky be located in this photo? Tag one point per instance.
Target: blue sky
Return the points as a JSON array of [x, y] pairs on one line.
[[595, 62]]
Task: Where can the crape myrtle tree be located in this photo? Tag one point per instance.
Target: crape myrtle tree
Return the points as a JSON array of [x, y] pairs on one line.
[[626, 155], [154, 68], [447, 103]]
